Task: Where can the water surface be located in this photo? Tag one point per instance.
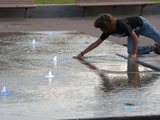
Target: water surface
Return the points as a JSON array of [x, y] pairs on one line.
[[101, 85]]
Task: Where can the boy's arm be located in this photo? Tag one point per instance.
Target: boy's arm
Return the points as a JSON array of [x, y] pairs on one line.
[[89, 48], [135, 45]]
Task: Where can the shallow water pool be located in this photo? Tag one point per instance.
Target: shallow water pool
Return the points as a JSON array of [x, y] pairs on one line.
[[101, 85]]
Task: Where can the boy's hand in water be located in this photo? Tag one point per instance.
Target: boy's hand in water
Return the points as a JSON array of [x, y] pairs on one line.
[[80, 56], [132, 56]]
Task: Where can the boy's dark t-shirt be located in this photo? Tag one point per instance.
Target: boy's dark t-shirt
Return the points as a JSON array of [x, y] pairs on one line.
[[124, 27]]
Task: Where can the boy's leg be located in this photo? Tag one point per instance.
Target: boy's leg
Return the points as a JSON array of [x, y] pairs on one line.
[[146, 30], [140, 49], [149, 31]]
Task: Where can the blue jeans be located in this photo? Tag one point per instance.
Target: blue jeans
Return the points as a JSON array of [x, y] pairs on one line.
[[146, 30]]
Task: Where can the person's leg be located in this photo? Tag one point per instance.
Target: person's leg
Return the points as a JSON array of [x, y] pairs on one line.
[[140, 49], [146, 30], [149, 31]]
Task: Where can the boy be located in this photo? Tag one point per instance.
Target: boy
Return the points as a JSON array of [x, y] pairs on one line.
[[132, 27]]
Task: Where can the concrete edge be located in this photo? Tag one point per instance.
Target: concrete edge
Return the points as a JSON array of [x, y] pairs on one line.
[[147, 117], [71, 10]]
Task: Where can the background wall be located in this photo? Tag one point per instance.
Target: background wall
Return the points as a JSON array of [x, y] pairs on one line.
[[71, 10]]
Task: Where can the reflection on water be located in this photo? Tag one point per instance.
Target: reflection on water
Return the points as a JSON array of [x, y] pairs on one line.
[[102, 84], [134, 77], [105, 79]]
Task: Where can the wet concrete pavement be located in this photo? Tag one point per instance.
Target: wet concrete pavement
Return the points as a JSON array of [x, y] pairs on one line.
[[102, 85]]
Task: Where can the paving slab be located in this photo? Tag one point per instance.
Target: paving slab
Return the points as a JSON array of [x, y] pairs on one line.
[[102, 85]]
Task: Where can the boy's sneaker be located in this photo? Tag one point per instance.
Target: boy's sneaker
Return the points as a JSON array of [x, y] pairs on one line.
[[156, 49]]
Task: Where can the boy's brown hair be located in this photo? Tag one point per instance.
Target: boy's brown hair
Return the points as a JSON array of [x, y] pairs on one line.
[[106, 22]]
